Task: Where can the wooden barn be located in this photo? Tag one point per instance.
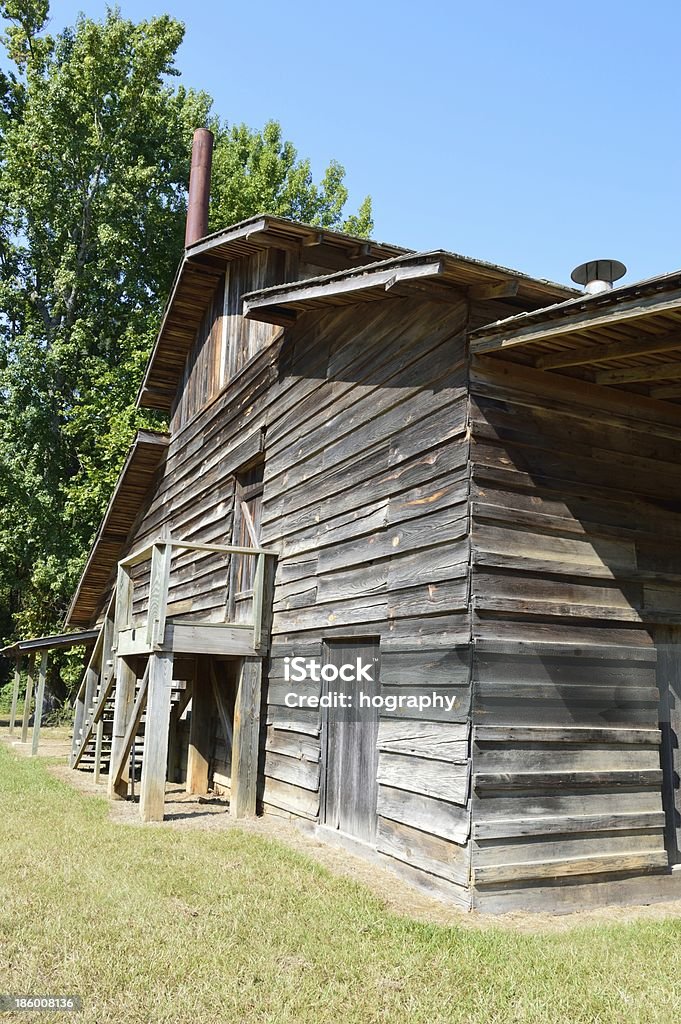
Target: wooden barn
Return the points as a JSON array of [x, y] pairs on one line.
[[467, 478]]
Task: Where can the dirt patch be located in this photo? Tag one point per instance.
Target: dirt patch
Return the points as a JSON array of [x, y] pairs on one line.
[[190, 812]]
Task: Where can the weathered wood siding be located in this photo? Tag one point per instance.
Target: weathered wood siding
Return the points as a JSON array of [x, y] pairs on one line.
[[366, 490], [364, 414], [576, 555], [225, 342]]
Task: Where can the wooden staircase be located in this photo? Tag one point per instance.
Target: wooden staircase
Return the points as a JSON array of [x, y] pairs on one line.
[[92, 741]]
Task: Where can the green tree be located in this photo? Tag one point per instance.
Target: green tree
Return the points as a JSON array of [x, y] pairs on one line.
[[95, 138]]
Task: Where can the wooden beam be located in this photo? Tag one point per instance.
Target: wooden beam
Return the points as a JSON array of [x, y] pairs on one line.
[[246, 746], [28, 698], [119, 767], [587, 319], [15, 693], [666, 392], [632, 374], [126, 678], [606, 351], [313, 239], [40, 697], [155, 758], [502, 290], [198, 755]]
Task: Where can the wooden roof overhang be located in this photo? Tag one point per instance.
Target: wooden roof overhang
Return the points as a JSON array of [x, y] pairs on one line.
[[438, 273], [45, 643], [143, 459], [628, 339], [203, 266]]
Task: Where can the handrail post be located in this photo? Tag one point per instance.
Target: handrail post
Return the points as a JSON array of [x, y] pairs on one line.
[[159, 584], [258, 588]]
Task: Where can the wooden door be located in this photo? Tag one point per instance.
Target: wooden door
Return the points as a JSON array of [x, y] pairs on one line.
[[669, 684], [350, 743]]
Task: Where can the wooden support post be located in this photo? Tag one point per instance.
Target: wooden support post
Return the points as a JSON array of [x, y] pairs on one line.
[[40, 697], [15, 694], [92, 675], [78, 723], [155, 757], [98, 749], [246, 748], [198, 755], [126, 678], [28, 698]]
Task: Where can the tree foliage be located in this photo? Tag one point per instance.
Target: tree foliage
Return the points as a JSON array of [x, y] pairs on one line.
[[95, 138]]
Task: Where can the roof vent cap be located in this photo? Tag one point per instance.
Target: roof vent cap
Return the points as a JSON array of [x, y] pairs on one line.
[[598, 275]]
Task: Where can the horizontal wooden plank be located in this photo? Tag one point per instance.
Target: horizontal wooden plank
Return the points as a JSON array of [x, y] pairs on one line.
[[440, 779], [567, 780], [510, 828], [567, 734], [430, 815], [441, 857], [565, 868]]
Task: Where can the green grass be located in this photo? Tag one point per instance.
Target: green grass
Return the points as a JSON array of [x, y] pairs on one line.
[[159, 924]]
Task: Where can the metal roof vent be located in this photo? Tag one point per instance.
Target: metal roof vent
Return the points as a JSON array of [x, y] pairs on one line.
[[598, 275]]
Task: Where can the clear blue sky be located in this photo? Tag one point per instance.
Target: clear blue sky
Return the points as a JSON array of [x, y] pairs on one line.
[[532, 134]]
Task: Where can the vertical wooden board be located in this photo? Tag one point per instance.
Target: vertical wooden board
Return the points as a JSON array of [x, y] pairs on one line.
[[350, 746], [155, 761], [669, 682], [39, 700], [15, 694], [124, 700], [246, 748], [28, 699], [98, 750], [198, 756]]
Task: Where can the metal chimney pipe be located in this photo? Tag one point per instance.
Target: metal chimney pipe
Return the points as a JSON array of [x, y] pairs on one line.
[[199, 186], [598, 275]]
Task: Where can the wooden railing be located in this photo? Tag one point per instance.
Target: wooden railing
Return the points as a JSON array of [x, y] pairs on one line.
[[160, 552]]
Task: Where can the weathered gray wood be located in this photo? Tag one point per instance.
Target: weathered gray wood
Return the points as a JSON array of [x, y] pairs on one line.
[[15, 694], [437, 817], [440, 857], [350, 747], [669, 680], [199, 752], [39, 700], [574, 866], [126, 679], [554, 780], [155, 763], [630, 310], [119, 766], [507, 828], [98, 751], [438, 778], [245, 751], [28, 698], [158, 594]]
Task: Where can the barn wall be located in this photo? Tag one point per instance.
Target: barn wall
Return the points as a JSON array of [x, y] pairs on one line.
[[366, 482], [576, 554], [363, 413]]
